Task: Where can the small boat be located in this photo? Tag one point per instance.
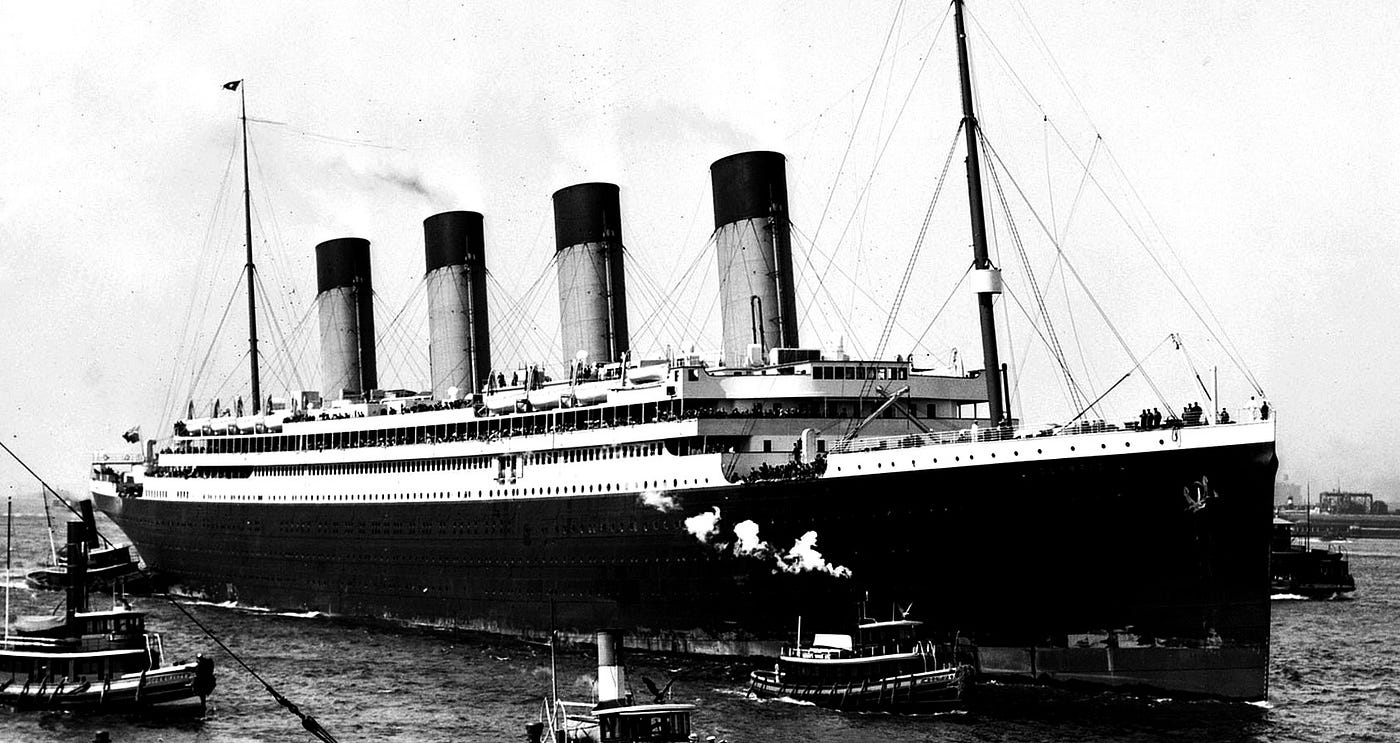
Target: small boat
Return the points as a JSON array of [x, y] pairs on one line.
[[615, 718], [1303, 570], [109, 568], [99, 661], [890, 669]]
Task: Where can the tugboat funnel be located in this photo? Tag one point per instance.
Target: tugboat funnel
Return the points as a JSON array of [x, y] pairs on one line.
[[612, 684]]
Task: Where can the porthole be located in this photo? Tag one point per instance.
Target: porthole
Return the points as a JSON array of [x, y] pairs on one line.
[[1103, 446], [1039, 451], [1071, 448], [1127, 443]]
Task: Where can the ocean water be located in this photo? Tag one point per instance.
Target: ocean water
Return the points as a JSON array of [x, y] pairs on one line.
[[1335, 675]]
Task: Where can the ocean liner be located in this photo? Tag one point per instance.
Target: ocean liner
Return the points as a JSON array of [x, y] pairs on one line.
[[681, 498]]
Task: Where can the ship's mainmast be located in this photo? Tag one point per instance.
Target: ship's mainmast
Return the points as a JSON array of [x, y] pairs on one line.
[[248, 237], [986, 277]]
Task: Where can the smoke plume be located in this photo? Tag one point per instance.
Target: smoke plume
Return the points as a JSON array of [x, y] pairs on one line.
[[704, 525], [660, 501], [747, 543], [804, 557]]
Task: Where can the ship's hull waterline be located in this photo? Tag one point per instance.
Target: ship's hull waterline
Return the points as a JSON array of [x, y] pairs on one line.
[[1111, 568]]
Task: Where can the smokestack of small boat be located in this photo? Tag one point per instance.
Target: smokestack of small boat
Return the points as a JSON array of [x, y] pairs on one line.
[[77, 553], [345, 297], [592, 292], [754, 250], [612, 684], [459, 345]]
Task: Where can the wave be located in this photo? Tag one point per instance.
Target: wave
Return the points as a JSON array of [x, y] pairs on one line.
[[250, 609]]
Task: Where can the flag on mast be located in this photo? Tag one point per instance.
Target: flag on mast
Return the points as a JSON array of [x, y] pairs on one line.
[[232, 85]]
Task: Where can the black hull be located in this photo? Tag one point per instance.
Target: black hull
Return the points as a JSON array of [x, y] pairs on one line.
[[1012, 555]]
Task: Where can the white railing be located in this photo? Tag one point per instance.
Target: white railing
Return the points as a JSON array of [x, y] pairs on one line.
[[1028, 431], [118, 457]]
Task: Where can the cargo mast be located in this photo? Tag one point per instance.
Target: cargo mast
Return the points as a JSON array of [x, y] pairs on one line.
[[986, 278]]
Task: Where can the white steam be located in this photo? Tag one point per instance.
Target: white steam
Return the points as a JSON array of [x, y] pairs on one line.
[[704, 525], [660, 501], [804, 557], [747, 543]]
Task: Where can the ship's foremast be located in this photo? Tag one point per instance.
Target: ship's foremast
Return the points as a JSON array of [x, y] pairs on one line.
[[991, 280]]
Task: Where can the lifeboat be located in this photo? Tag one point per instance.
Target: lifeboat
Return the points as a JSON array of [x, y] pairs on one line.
[[590, 394], [647, 374], [503, 402]]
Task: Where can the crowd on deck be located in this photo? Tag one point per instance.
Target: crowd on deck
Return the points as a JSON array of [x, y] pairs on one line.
[[758, 411], [791, 470], [1193, 415]]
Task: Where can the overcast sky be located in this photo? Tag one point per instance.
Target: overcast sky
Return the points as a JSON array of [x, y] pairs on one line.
[[1250, 148]]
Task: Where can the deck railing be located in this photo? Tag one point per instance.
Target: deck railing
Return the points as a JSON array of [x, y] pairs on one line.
[[1028, 431]]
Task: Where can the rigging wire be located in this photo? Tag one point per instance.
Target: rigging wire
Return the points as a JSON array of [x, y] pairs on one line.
[[49, 488], [209, 352], [294, 341], [394, 338], [167, 405], [861, 289], [1035, 327], [1231, 350], [518, 321], [520, 313], [659, 320], [869, 383], [918, 245], [673, 309], [874, 167], [283, 342], [308, 722], [1070, 266], [944, 306], [277, 257], [1227, 346], [850, 142], [234, 371], [1121, 379], [1217, 329], [1191, 364], [1077, 395]]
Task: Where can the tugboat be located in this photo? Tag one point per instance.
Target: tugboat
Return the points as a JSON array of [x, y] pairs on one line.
[[1301, 570], [98, 661], [616, 718], [889, 670], [108, 568]]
